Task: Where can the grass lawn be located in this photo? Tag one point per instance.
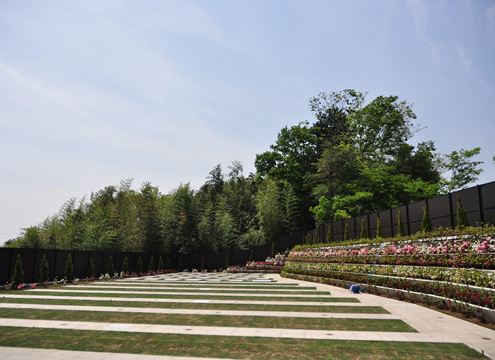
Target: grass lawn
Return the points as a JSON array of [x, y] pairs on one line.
[[146, 304], [201, 290], [228, 347], [64, 292], [212, 320]]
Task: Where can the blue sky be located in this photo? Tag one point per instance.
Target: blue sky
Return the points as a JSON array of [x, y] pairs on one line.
[[92, 92]]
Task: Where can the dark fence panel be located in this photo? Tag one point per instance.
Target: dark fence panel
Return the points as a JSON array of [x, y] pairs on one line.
[[478, 202]]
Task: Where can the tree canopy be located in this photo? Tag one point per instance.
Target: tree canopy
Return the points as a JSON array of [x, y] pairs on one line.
[[355, 158]]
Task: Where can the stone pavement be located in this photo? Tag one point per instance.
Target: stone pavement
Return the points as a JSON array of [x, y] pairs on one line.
[[432, 326]]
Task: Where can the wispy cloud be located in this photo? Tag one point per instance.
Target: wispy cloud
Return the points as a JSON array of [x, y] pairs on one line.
[[428, 49]]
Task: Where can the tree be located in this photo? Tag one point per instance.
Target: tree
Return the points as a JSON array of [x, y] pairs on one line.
[[151, 265], [161, 266], [346, 232], [364, 232], [18, 276], [400, 224], [380, 127], [426, 224], [91, 268], [139, 265], [110, 266], [69, 269], [125, 266], [269, 210], [378, 228], [462, 220], [463, 170], [323, 211], [44, 271]]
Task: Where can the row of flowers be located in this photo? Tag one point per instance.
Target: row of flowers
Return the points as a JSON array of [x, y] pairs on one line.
[[270, 264], [455, 246], [478, 261], [474, 296], [455, 275]]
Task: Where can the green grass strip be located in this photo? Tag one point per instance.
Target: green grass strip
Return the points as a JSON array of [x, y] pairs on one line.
[[198, 297], [247, 307], [212, 320], [213, 285], [216, 290], [229, 347]]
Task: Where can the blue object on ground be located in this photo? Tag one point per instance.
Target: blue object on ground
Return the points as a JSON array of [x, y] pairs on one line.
[[355, 289]]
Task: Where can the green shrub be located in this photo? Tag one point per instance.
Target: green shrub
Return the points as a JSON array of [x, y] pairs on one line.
[[426, 223], [364, 232], [378, 228], [151, 266], [91, 268], [110, 266], [400, 225], [180, 266], [462, 220], [161, 267], [202, 263], [346, 232], [168, 264], [44, 271], [139, 266], [18, 276], [329, 234], [69, 269], [125, 265]]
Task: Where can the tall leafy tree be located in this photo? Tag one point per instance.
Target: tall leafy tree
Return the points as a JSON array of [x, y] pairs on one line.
[[463, 170]]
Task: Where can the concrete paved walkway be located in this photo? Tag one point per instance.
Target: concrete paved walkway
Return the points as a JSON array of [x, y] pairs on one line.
[[432, 326]]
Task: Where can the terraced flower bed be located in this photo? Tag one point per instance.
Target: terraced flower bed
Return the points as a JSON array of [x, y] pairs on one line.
[[455, 273]]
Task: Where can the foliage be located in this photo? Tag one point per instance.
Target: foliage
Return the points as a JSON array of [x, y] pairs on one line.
[[91, 268], [378, 228], [463, 170], [346, 232], [180, 266], [18, 275], [426, 224], [462, 220], [110, 266], [364, 233], [69, 269], [139, 265], [323, 211], [161, 266], [125, 266], [44, 271], [151, 265], [400, 224]]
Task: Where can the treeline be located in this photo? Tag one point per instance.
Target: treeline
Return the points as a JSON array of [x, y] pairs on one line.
[[354, 159]]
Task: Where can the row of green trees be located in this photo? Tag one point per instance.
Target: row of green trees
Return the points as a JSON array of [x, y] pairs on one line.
[[44, 270], [354, 159]]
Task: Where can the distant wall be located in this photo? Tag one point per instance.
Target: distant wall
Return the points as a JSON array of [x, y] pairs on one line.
[[477, 201], [31, 259]]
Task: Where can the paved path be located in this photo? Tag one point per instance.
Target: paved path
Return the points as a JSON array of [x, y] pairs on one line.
[[432, 326]]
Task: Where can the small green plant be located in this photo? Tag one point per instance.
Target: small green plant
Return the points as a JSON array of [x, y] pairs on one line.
[[273, 249], [180, 266], [329, 234], [364, 232], [139, 265], [227, 262], [426, 224], [151, 266], [91, 268], [378, 228], [110, 266], [125, 266], [18, 276], [400, 225], [462, 220], [44, 271], [161, 267], [69, 269], [168, 264], [202, 263], [346, 232]]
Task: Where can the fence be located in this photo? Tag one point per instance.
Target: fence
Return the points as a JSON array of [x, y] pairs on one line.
[[31, 259], [477, 201]]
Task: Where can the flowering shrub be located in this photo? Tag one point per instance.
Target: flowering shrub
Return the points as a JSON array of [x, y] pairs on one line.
[[270, 264]]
